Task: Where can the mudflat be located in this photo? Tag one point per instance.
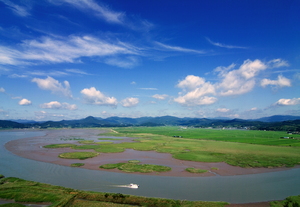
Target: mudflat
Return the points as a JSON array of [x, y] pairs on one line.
[[32, 148]]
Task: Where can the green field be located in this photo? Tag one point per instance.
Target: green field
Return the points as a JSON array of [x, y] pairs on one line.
[[244, 148], [241, 136]]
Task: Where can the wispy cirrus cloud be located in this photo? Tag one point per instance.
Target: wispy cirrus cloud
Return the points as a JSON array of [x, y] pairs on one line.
[[225, 45], [178, 48], [60, 50], [17, 9], [90, 6]]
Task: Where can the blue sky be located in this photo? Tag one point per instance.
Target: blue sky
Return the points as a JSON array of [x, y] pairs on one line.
[[68, 59]]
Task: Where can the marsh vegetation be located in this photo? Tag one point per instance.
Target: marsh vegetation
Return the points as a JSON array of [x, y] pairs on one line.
[[134, 166], [242, 148]]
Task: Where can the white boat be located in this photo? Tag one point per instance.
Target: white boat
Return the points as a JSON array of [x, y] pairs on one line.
[[131, 185]]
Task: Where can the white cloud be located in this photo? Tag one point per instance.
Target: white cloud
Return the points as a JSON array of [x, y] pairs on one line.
[[123, 62], [223, 110], [239, 81], [70, 49], [92, 96], [149, 89], [250, 69], [58, 105], [17, 9], [191, 82], [54, 86], [160, 96], [232, 82], [280, 82], [91, 6], [224, 45], [2, 90], [129, 102], [288, 102], [253, 109], [178, 49], [77, 71], [277, 63], [24, 102], [196, 89]]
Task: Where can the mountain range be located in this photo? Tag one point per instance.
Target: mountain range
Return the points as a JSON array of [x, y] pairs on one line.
[[277, 122]]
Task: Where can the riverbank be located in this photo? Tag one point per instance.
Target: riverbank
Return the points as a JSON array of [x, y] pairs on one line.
[[32, 148]]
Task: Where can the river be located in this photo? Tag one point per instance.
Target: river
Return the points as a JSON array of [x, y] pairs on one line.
[[233, 189]]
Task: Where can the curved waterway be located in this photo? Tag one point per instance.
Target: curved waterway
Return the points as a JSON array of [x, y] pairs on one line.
[[233, 189]]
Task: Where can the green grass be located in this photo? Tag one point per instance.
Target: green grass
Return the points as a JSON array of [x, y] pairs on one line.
[[133, 166], [109, 139], [195, 170], [77, 164], [59, 146], [241, 136], [86, 142], [33, 192], [78, 155]]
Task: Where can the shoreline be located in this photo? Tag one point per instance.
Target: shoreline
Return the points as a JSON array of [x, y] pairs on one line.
[[32, 148]]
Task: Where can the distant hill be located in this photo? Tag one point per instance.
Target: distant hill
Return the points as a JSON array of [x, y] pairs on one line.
[[278, 122], [278, 118]]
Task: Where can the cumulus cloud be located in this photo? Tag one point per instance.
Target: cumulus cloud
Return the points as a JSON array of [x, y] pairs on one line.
[[2, 90], [24, 102], [280, 82], [54, 86], [160, 96], [196, 90], [129, 102], [223, 110], [243, 79], [58, 105], [191, 82], [288, 102], [93, 96]]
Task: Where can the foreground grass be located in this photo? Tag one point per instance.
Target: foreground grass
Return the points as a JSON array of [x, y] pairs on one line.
[[33, 192]]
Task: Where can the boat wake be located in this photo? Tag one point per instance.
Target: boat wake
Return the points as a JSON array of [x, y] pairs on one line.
[[131, 185]]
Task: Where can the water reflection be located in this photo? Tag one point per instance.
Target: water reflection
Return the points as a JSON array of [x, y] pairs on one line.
[[233, 189]]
